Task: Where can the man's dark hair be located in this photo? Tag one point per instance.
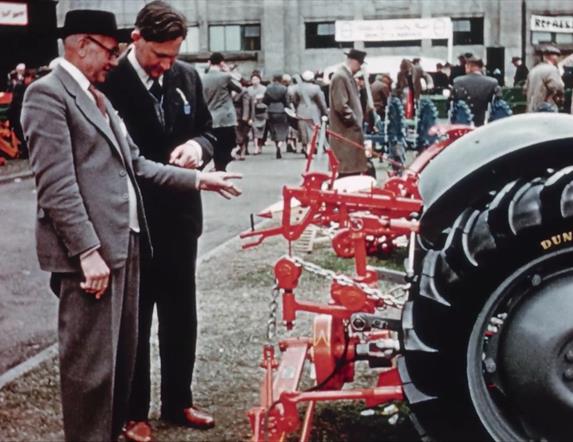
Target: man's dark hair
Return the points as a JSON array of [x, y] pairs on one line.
[[277, 77], [216, 58], [160, 22]]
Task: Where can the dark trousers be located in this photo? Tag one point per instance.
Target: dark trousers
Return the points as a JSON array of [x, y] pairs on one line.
[[226, 142], [97, 344], [168, 282]]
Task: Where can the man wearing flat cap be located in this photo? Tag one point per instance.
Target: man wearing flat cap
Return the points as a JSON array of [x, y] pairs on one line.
[[90, 222], [476, 89], [544, 87], [346, 116]]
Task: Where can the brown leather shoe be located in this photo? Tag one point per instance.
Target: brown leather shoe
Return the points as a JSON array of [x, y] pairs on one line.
[[199, 419], [192, 417], [137, 431]]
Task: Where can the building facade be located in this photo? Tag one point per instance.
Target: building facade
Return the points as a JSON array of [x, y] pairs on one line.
[[294, 35]]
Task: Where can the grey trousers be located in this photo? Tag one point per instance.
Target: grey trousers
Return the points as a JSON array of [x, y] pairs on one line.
[[97, 345]]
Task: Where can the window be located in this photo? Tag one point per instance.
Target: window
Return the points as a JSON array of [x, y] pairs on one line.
[[235, 38], [538, 37], [467, 31], [191, 42], [321, 35]]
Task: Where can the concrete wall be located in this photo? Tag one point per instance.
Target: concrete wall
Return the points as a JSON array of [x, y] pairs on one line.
[[283, 25]]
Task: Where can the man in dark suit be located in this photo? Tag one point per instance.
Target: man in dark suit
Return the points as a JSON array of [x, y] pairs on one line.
[[90, 221], [521, 71], [459, 69], [476, 89], [161, 102]]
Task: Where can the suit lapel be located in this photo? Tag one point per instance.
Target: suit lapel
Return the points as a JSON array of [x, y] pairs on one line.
[[138, 90], [87, 106], [350, 78]]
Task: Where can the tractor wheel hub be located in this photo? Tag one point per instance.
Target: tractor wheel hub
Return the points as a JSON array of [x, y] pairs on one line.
[[536, 356]]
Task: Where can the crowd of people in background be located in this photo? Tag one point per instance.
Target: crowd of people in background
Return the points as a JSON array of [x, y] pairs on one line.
[[285, 109], [249, 111]]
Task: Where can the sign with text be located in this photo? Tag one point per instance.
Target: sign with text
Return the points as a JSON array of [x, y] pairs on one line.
[[562, 24], [393, 30], [13, 14]]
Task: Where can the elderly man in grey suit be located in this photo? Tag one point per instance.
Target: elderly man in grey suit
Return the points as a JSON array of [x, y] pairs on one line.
[[346, 116], [310, 105], [476, 89], [90, 222], [218, 83], [544, 86]]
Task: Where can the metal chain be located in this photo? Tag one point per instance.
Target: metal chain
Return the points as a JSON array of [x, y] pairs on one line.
[[273, 309], [389, 298]]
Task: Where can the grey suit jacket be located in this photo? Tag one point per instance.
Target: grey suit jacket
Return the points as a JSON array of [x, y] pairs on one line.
[[543, 84], [217, 87], [309, 101], [82, 165]]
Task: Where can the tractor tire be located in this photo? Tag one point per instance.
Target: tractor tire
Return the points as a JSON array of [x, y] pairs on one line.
[[487, 331]]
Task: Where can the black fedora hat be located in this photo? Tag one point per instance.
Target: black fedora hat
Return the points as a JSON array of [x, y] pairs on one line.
[[88, 21], [356, 54]]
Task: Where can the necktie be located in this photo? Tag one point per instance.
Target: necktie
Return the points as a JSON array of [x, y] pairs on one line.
[[99, 99], [156, 90]]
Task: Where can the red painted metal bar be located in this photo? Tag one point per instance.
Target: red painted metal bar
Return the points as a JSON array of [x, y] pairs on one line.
[[291, 306], [307, 424], [380, 394]]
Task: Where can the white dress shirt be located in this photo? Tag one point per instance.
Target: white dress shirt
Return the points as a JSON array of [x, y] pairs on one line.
[[148, 82], [84, 83]]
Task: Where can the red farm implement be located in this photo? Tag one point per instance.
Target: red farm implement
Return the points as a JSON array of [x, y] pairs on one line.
[[477, 336]]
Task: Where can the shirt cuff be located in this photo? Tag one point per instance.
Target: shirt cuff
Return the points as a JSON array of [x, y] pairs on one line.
[[88, 252], [197, 149], [198, 179]]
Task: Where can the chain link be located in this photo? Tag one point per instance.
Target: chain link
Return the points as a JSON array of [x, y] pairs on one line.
[[273, 310], [390, 298]]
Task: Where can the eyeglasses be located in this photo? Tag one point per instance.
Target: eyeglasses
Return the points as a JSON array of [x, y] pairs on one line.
[[112, 52]]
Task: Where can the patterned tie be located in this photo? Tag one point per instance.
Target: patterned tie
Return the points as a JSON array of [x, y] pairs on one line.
[[99, 99], [156, 90]]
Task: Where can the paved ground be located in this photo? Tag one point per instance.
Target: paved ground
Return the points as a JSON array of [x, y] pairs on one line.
[[28, 309]]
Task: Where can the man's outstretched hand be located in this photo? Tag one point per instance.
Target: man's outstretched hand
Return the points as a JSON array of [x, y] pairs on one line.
[[219, 182]]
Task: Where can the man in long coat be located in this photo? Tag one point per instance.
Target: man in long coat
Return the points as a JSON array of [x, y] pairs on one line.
[[544, 86], [346, 116], [310, 105]]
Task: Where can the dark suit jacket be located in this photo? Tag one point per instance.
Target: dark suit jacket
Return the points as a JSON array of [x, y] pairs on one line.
[[185, 119], [82, 165], [478, 91], [276, 98]]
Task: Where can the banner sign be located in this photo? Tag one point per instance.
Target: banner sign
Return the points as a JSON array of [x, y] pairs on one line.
[[562, 24], [393, 30], [13, 14]]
